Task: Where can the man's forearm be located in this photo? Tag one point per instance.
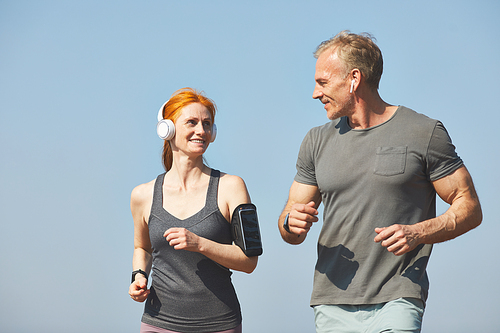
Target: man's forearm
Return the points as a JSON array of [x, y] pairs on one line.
[[462, 216]]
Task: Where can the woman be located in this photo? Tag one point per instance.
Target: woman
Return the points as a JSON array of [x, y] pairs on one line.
[[182, 230]]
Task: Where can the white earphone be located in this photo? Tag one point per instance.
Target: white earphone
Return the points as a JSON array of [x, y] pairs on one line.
[[352, 86], [166, 128]]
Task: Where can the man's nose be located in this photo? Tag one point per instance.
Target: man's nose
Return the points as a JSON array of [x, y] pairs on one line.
[[317, 93]]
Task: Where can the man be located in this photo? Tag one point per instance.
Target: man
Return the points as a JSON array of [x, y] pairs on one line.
[[377, 168]]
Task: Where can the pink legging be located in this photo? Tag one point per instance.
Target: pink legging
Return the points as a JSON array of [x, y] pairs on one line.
[[145, 328]]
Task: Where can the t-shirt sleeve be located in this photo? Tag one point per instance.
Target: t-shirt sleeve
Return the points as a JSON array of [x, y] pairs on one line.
[[306, 171], [442, 159]]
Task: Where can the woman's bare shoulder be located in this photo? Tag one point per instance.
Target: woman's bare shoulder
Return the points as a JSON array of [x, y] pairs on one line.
[[232, 182], [233, 189], [142, 194]]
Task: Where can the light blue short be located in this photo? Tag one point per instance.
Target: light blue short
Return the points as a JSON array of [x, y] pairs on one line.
[[400, 315]]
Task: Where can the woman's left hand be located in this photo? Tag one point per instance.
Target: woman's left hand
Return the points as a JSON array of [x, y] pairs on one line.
[[182, 239]]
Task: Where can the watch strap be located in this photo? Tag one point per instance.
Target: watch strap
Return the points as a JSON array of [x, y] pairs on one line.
[[138, 271]]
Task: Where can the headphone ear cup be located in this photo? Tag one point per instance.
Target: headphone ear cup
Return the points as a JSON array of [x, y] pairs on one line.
[[165, 129], [214, 133]]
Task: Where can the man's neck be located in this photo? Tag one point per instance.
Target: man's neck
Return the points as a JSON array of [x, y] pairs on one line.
[[370, 110]]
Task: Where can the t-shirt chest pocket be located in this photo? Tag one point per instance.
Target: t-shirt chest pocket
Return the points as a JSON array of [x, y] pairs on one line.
[[390, 161]]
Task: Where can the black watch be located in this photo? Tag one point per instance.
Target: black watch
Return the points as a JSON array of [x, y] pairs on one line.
[[285, 224], [138, 271]]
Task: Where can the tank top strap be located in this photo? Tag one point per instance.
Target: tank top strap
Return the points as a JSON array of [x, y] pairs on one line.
[[213, 188], [158, 194]]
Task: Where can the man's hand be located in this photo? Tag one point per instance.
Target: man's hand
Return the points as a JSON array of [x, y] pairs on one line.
[[138, 290], [398, 239], [301, 210], [302, 217]]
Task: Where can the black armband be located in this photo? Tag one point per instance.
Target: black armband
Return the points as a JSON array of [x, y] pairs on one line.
[[245, 230]]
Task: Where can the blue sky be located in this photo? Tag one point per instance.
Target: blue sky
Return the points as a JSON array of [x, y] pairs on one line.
[[80, 86]]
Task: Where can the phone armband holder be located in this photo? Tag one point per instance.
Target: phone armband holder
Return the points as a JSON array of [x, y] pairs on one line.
[[245, 230]]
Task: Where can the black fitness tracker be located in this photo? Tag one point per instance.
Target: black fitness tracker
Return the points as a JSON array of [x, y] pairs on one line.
[[138, 271], [245, 230], [285, 224]]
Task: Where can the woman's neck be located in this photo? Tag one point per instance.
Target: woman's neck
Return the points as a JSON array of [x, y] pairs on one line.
[[186, 171]]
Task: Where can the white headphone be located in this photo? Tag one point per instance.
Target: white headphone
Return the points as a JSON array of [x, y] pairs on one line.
[[352, 85], [166, 128]]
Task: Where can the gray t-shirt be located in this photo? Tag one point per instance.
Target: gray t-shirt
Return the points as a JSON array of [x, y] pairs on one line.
[[370, 178]]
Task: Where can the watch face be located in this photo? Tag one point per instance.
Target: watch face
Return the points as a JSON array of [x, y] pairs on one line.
[[285, 224]]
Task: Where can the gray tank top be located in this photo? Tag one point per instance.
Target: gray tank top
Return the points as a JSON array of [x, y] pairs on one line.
[[190, 292]]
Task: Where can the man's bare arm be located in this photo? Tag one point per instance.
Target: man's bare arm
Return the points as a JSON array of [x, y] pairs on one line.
[[463, 215]]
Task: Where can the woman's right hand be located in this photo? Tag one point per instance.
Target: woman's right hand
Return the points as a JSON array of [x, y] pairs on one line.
[[138, 290]]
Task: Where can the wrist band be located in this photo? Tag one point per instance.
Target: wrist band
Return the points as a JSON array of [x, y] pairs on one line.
[[285, 224], [138, 271]]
